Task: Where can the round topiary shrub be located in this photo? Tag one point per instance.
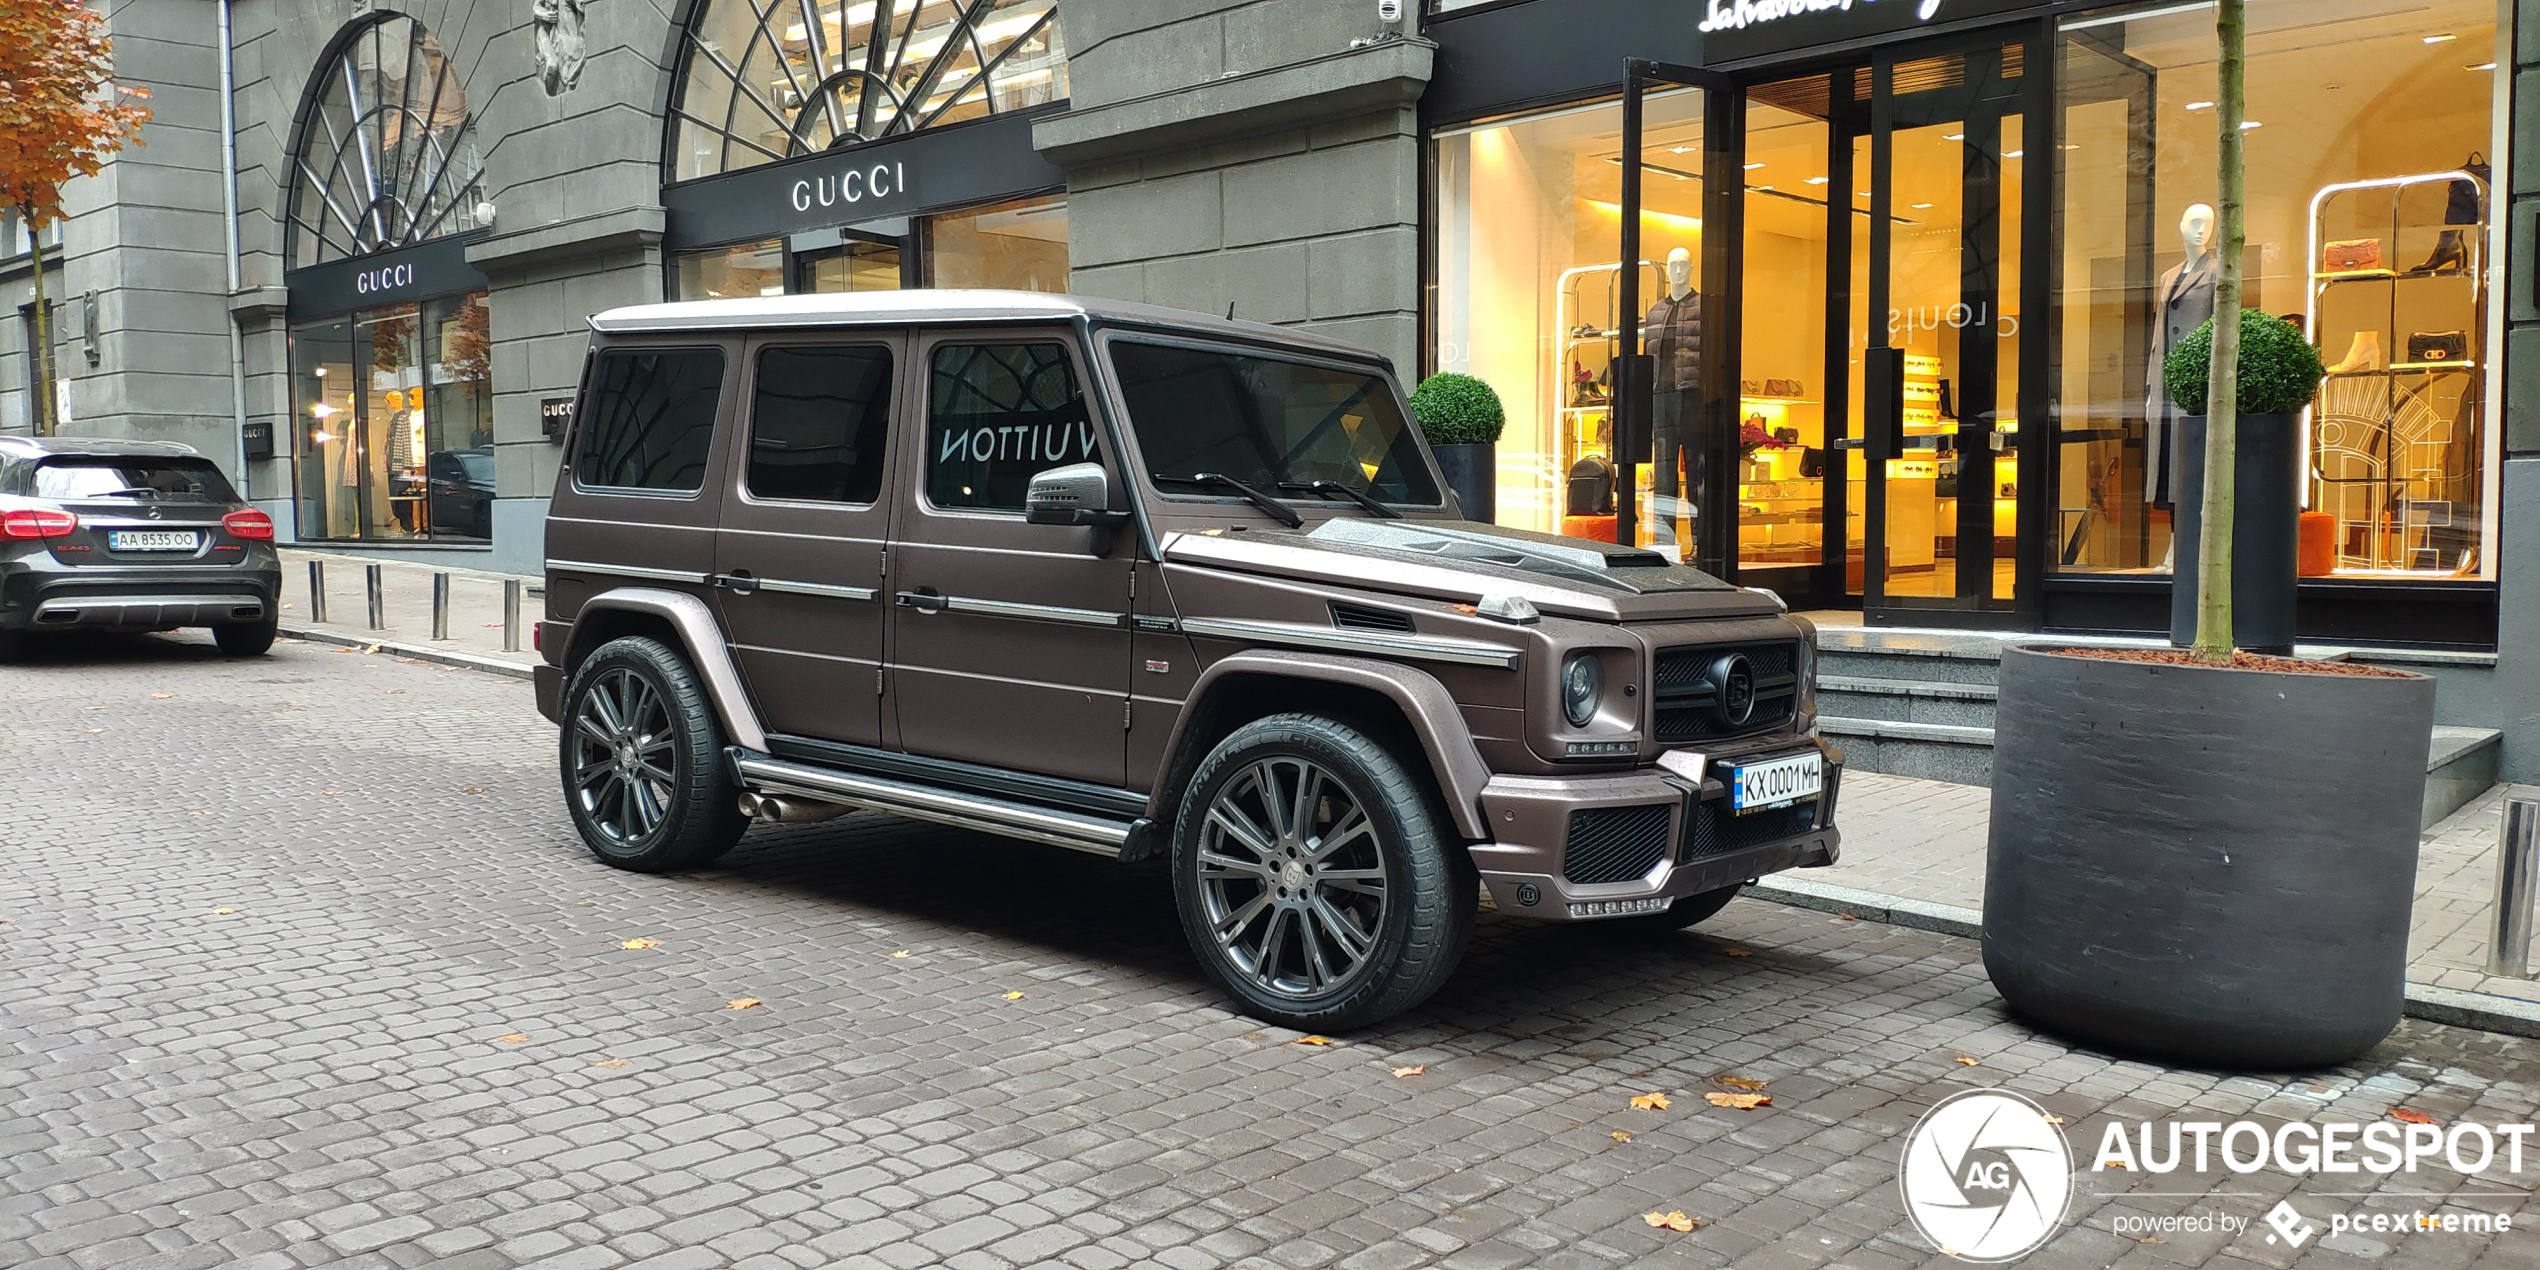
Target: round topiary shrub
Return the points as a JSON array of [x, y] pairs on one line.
[[1457, 409], [2279, 370]]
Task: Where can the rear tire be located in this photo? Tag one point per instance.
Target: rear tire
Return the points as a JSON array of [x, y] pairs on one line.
[[641, 755], [246, 639], [1316, 878]]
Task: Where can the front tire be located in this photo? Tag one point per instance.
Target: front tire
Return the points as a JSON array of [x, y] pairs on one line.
[[246, 639], [1316, 879], [641, 754]]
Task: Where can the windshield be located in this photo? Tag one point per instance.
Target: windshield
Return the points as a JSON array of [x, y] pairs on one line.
[[1277, 426], [99, 476]]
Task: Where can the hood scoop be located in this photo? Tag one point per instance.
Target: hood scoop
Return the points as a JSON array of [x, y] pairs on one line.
[[1576, 561]]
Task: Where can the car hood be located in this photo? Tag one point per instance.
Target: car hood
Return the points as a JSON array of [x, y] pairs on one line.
[[1463, 561]]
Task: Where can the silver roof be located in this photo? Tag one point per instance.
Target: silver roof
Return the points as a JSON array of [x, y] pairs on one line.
[[898, 308], [35, 447]]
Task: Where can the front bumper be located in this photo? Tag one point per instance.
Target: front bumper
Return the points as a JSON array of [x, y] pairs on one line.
[[1554, 830]]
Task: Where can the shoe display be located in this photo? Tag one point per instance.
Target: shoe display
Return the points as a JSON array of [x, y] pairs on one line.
[[2363, 354], [2451, 254]]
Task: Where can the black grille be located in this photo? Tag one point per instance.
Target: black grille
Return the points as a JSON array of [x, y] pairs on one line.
[[1359, 617], [1615, 844], [1717, 830], [1686, 697]]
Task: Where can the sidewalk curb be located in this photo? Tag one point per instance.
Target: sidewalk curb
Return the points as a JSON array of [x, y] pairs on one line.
[[2484, 1011], [420, 652]]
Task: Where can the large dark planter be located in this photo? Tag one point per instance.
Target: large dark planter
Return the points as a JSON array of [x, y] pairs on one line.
[[1472, 471], [2265, 536], [2204, 865]]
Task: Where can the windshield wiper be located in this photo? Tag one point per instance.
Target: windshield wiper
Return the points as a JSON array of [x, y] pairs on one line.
[[1327, 488], [129, 491], [1269, 506]]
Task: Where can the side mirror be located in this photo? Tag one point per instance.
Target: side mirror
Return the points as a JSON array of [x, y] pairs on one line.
[[1077, 494]]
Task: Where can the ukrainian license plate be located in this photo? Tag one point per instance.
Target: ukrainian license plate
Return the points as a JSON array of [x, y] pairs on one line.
[[151, 540], [1776, 782]]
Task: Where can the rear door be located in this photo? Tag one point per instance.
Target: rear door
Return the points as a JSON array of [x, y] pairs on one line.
[[1010, 642], [799, 557]]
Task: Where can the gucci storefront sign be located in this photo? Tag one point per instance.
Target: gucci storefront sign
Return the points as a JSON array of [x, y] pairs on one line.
[[849, 187], [384, 278], [433, 268]]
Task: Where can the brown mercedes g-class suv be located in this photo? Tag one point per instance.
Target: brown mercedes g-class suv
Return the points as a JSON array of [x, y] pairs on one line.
[[1153, 585]]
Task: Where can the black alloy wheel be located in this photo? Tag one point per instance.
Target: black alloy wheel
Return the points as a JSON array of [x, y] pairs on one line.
[[642, 760]]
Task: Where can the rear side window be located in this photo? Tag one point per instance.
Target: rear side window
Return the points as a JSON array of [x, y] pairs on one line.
[[999, 414], [146, 480], [649, 422], [819, 423]]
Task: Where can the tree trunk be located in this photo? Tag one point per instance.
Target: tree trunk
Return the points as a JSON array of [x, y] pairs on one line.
[[2222, 383], [39, 357]]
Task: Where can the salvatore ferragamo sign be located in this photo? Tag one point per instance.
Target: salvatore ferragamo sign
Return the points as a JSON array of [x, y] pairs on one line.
[[1740, 30]]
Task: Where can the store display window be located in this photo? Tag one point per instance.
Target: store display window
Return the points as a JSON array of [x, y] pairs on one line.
[[1529, 215], [1016, 246], [395, 422], [723, 273], [2371, 222]]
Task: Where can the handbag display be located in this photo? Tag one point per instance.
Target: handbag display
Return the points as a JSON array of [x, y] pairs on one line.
[[2348, 255], [2438, 346], [1592, 486]]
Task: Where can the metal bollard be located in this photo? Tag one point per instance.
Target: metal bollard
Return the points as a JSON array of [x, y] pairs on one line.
[[317, 591], [370, 578], [511, 615], [440, 606], [2517, 873]]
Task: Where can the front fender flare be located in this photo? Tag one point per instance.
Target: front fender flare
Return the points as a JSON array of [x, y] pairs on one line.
[[1425, 703], [705, 648]]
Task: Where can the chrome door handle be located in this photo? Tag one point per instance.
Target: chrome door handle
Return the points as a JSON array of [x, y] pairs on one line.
[[738, 582], [923, 602]]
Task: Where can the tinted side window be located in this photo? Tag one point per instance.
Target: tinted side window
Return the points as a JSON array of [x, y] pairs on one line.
[[649, 420], [998, 414], [819, 424]]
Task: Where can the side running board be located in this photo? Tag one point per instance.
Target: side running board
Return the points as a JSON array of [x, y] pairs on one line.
[[767, 775]]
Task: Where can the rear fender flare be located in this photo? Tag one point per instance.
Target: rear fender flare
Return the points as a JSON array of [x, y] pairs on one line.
[[703, 643], [1425, 704]]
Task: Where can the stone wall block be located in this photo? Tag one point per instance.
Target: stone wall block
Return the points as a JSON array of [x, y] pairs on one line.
[[1172, 217], [1265, 284], [1336, 191], [1367, 273]]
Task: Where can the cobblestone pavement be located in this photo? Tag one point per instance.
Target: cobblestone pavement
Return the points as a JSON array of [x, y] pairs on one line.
[[303, 967], [1925, 840]]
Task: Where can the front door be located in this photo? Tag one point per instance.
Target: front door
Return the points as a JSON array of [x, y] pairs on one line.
[[1010, 642], [1938, 412], [798, 560]]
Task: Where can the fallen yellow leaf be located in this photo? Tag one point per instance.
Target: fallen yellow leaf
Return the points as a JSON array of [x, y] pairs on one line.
[[1737, 952], [641, 943], [741, 1003], [1401, 1072], [371, 648], [2052, 1118], [471, 789], [513, 1039], [223, 912], [162, 696], [612, 1062], [1014, 996], [900, 954], [1673, 1220], [1969, 1061], [1619, 1136], [1740, 1082], [1741, 1102], [1650, 1102], [1313, 1040], [2412, 1117]]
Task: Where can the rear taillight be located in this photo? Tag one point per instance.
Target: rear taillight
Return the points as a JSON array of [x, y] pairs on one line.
[[37, 522], [250, 524], [537, 637]]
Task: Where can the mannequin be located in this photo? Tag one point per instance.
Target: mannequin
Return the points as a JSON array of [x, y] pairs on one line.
[[1672, 335], [2183, 300]]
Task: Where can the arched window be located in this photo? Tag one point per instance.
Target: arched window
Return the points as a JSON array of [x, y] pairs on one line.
[[763, 80], [385, 156]]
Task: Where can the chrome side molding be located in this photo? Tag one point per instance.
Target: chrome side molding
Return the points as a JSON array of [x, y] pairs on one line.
[[766, 775], [1413, 647]]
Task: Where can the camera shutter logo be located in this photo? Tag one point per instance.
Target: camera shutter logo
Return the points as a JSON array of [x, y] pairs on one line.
[[1986, 1177], [2289, 1224]]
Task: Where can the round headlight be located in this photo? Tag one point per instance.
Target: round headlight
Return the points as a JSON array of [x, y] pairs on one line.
[[1582, 682]]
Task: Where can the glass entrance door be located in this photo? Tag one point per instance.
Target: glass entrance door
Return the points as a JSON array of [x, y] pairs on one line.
[[1938, 415]]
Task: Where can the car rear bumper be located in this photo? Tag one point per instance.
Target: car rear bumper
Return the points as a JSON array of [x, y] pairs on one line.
[[92, 598], [1655, 833]]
